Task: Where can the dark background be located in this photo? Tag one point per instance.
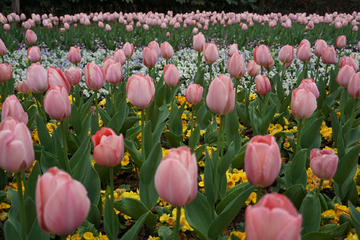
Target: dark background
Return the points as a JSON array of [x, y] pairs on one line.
[[181, 6]]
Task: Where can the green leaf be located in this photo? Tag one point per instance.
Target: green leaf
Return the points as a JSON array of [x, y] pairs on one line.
[[346, 165], [134, 153], [86, 226], [47, 161], [44, 135], [94, 216], [355, 217], [148, 139], [165, 233], [135, 209], [310, 134], [311, 213], [296, 194], [230, 196], [231, 126], [11, 231], [266, 121], [134, 231], [30, 215], [295, 170], [111, 226], [352, 194], [37, 233], [13, 214], [218, 225], [32, 180], [128, 123], [83, 166], [173, 140], [285, 103], [85, 107], [176, 124], [75, 120], [199, 215]]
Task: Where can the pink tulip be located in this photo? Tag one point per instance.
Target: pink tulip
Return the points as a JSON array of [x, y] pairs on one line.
[[3, 49], [193, 94], [176, 177], [344, 75], [129, 28], [119, 56], [319, 46], [12, 108], [74, 55], [57, 103], [167, 34], [155, 46], [354, 86], [199, 42], [341, 41], [309, 84], [108, 147], [328, 55], [33, 54], [100, 24], [6, 27], [171, 75], [303, 103], [36, 78], [261, 55], [140, 90], [211, 53], [270, 62], [233, 49], [150, 57], [355, 29], [263, 85], [244, 27], [62, 204], [348, 61], [128, 49], [224, 87], [107, 62], [22, 87], [5, 72], [107, 28], [262, 160], [303, 52], [94, 76], [30, 37], [253, 69], [114, 73], [286, 54], [17, 152], [236, 65], [323, 163], [166, 50], [73, 75], [274, 214], [56, 77]]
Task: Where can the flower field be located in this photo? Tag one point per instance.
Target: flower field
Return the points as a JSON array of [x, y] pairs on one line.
[[201, 125]]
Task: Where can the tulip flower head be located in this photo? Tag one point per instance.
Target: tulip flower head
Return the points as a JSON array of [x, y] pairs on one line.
[[224, 87], [323, 163]]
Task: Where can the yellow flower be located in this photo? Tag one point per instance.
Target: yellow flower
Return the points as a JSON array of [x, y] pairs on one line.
[[230, 184], [102, 103], [240, 235], [351, 236], [88, 236], [251, 198], [153, 238], [76, 237], [286, 144], [235, 177], [164, 217], [125, 161], [201, 164], [103, 237], [165, 151]]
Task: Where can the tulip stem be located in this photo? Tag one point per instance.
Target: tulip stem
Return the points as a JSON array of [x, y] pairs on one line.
[[317, 69], [5, 91], [111, 171], [199, 60], [319, 188], [171, 109], [127, 68], [236, 87], [351, 123], [3, 60], [96, 111], [177, 223], [220, 136], [72, 95], [21, 206], [283, 73], [303, 71], [63, 237], [248, 93], [343, 101], [258, 194], [299, 135], [142, 136], [192, 128], [66, 161]]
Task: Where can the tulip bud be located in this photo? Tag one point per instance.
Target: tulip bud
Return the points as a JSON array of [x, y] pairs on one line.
[[224, 87], [309, 84], [236, 65], [12, 108], [171, 75], [344, 75], [22, 87], [303, 52], [74, 55], [323, 163], [193, 94], [263, 85], [341, 41], [119, 56], [57, 103], [319, 46], [5, 72], [30, 37], [94, 76], [348, 61], [56, 77], [36, 78], [73, 75], [33, 54], [176, 177], [17, 152], [253, 69], [354, 86], [233, 49], [303, 103], [155, 46], [166, 50], [199, 42], [286, 54], [211, 53], [261, 55], [149, 57], [3, 49], [107, 62], [262, 162], [140, 90], [128, 49], [328, 55], [114, 73]]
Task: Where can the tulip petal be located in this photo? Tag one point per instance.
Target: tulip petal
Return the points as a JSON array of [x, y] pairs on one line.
[[271, 166], [172, 182], [257, 220], [217, 96], [252, 166], [105, 155]]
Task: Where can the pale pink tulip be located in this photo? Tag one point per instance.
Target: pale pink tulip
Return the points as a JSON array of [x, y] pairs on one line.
[[56, 77], [5, 72], [193, 94], [94, 76], [171, 75], [33, 54], [224, 87], [73, 75], [57, 103], [236, 65], [114, 73], [263, 85], [323, 163], [36, 78], [303, 103], [309, 84], [140, 90], [12, 108]]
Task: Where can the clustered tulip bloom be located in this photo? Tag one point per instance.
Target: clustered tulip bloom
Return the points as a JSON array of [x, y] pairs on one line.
[[224, 87], [94, 76], [107, 62], [140, 90], [253, 68], [193, 94], [62, 204], [236, 65], [171, 75], [74, 55], [12, 108], [310, 84], [263, 85], [323, 163], [108, 147], [5, 72], [56, 77], [348, 61], [176, 177], [17, 152], [303, 103], [57, 103], [155, 46], [262, 160], [73, 75], [273, 217], [319, 46]]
